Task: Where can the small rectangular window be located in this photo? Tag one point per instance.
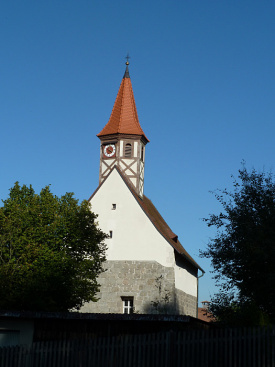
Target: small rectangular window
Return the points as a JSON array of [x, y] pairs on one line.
[[113, 206], [111, 234], [128, 304]]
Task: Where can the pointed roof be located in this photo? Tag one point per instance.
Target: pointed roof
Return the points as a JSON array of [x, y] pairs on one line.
[[124, 117]]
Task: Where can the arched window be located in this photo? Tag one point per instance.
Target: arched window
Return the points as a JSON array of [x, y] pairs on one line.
[[128, 150]]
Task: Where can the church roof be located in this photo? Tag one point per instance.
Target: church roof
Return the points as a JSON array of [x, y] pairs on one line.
[[157, 220], [124, 117]]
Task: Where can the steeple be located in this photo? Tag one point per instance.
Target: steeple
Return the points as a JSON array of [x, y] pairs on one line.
[[122, 138], [124, 117]]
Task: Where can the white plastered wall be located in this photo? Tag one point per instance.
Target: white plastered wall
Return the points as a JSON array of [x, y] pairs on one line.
[[134, 237], [185, 281], [135, 148]]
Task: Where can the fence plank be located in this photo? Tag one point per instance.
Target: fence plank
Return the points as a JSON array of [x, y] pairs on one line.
[[272, 339]]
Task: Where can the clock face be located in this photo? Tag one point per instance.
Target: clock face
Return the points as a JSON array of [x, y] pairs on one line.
[[109, 150]]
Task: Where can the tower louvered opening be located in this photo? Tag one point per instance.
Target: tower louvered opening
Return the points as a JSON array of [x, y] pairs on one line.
[[128, 150]]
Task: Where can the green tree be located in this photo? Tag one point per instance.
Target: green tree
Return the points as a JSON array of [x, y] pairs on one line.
[[243, 251], [51, 251]]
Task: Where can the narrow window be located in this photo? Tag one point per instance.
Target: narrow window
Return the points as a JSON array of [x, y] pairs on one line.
[[128, 304], [111, 234], [142, 154], [113, 206], [128, 150]]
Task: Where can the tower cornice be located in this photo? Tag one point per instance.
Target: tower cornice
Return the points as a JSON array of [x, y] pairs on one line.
[[116, 137]]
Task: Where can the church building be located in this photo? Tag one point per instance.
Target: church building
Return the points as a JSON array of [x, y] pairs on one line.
[[147, 269]]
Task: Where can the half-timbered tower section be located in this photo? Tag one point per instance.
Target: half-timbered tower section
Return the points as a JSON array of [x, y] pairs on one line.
[[123, 140]]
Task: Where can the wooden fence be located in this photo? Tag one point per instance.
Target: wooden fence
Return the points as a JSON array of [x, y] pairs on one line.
[[252, 347]]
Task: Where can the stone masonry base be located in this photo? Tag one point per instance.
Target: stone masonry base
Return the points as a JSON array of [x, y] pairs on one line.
[[151, 285]]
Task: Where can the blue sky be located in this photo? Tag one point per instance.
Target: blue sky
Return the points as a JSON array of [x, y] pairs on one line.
[[203, 74]]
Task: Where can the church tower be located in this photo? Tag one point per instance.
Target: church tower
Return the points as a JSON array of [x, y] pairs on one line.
[[147, 269], [123, 140]]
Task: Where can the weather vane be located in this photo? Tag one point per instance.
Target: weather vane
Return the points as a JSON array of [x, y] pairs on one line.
[[127, 58]]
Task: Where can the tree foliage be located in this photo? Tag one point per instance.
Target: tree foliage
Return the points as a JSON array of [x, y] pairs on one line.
[[51, 251], [243, 251]]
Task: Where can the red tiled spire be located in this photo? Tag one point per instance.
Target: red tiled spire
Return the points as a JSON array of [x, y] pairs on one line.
[[124, 117]]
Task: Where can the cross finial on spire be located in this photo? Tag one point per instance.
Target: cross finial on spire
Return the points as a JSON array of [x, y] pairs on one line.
[[127, 58]]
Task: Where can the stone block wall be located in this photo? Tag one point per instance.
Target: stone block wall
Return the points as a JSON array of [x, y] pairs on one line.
[[151, 285], [186, 304]]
